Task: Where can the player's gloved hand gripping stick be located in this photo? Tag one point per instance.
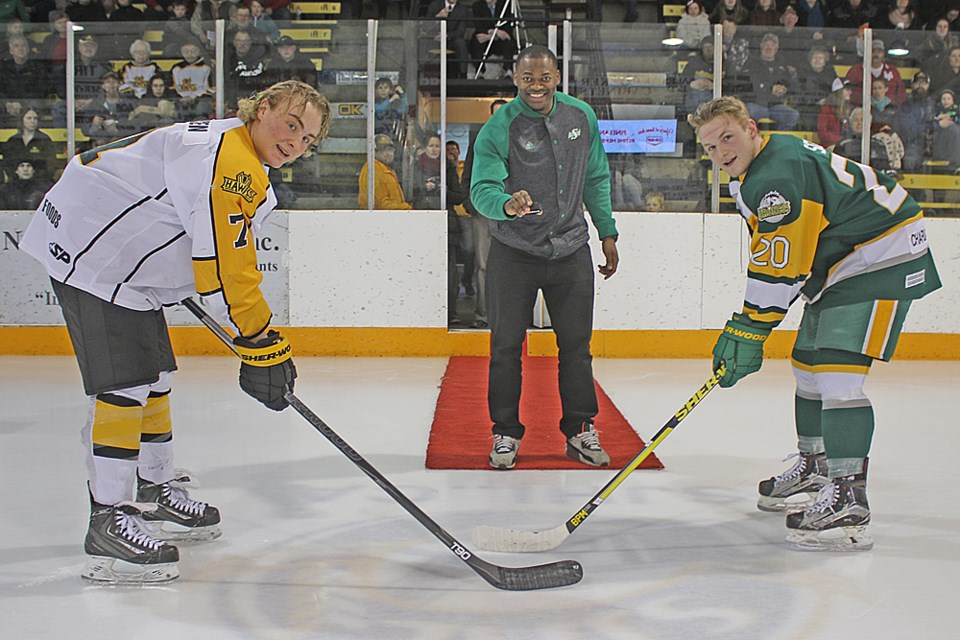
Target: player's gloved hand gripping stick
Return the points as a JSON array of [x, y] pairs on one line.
[[544, 576], [740, 347], [266, 369], [511, 540]]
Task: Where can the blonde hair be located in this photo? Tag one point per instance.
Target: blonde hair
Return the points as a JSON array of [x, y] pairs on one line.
[[725, 106], [299, 93]]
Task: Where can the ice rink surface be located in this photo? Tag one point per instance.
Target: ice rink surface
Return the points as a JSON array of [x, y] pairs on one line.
[[313, 549]]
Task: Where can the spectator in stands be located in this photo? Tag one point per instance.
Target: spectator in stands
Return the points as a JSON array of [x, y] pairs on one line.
[[732, 10], [456, 14], [29, 144], [736, 51], [794, 40], [915, 122], [481, 229], [24, 191], [127, 27], [88, 69], [946, 130], [773, 84], [390, 106], [124, 11], [900, 14], [157, 108], [945, 75], [879, 67], [694, 25], [654, 202], [193, 83], [53, 50], [936, 46], [464, 250], [812, 13], [14, 27], [883, 113], [851, 147], [39, 10], [263, 23], [245, 69], [279, 10], [287, 63], [488, 27], [136, 73], [764, 14], [833, 121], [387, 192], [13, 9], [951, 13], [243, 22], [86, 11], [698, 77], [426, 195], [814, 84], [177, 29], [106, 119], [21, 79], [851, 14], [204, 17]]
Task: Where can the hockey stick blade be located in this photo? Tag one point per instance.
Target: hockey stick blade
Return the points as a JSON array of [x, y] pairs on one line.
[[545, 576], [515, 541]]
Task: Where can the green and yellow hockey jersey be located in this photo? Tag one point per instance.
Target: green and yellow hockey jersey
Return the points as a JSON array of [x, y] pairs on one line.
[[829, 229]]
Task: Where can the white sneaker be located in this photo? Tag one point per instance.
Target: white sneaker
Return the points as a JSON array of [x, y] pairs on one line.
[[504, 453], [585, 447]]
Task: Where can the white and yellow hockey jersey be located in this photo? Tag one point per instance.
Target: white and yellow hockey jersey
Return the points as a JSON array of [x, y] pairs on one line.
[[153, 218]]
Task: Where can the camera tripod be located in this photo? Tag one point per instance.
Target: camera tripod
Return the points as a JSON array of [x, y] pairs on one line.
[[519, 28]]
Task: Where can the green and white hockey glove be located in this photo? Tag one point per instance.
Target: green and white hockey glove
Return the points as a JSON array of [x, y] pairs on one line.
[[740, 346]]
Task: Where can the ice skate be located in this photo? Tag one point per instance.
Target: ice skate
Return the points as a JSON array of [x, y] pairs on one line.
[[585, 447], [504, 453], [122, 552], [795, 488], [177, 517], [837, 521]]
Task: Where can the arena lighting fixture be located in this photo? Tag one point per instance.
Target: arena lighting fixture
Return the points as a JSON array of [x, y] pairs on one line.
[[77, 27], [672, 41], [899, 48]]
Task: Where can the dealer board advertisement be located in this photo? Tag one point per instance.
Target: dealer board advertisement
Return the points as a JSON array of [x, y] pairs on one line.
[[26, 297]]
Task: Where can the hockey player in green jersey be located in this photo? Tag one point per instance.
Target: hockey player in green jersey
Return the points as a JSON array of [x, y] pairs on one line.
[[852, 243]]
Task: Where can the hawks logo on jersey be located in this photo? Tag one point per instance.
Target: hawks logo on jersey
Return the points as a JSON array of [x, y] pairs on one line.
[[240, 186], [773, 207]]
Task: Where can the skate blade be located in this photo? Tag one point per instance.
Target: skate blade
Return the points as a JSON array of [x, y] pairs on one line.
[[172, 532], [841, 539], [112, 571]]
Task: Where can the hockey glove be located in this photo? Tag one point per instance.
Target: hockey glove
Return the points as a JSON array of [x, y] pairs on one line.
[[740, 346], [266, 370]]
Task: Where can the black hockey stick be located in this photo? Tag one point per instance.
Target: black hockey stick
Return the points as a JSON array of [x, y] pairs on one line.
[[511, 540], [544, 576]]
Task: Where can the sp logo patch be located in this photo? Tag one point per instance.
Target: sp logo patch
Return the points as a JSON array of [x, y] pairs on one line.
[[240, 185], [59, 253], [773, 207]]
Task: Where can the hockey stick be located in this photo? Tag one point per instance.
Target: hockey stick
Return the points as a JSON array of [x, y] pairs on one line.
[[511, 540], [544, 576]]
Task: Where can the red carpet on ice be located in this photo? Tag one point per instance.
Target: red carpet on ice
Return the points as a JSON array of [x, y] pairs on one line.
[[460, 437]]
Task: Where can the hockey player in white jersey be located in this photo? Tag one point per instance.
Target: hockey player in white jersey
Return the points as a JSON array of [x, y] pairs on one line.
[[133, 226]]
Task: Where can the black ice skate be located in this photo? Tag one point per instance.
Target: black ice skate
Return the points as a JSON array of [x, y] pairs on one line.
[[795, 488], [837, 521], [122, 552], [177, 517]]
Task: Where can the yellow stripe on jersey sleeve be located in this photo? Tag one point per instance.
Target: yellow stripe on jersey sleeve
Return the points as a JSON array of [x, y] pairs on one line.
[[239, 187]]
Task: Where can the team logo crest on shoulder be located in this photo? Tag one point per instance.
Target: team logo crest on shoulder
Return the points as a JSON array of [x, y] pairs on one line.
[[240, 186], [574, 134], [773, 207]]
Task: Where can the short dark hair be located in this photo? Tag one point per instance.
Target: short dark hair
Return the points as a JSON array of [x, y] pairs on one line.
[[496, 103], [536, 51]]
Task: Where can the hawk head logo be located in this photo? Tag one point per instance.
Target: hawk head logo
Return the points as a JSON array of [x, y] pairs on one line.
[[773, 207], [240, 185]]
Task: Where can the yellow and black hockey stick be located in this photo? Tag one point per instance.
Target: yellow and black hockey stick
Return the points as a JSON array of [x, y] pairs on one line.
[[544, 576], [511, 540]]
